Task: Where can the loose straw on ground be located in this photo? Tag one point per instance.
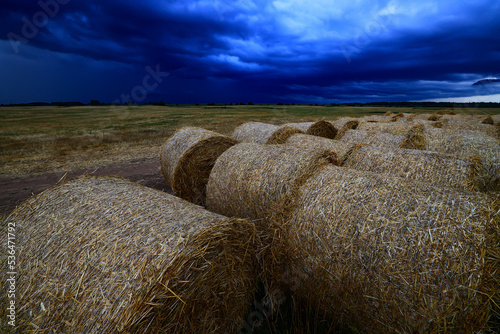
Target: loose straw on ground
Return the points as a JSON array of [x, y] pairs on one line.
[[187, 159], [104, 255], [262, 133]]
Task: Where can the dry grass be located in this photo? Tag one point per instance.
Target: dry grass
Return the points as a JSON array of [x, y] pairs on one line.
[[103, 255], [340, 150], [388, 256], [320, 128], [187, 159], [262, 133], [435, 168]]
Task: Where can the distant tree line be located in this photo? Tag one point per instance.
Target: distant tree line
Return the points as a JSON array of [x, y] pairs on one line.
[[355, 104]]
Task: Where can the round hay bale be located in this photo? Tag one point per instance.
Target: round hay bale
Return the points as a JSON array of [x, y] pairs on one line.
[[395, 128], [488, 120], [320, 128], [388, 256], [187, 159], [258, 182], [252, 181], [397, 117], [339, 149], [469, 144], [463, 124], [436, 168], [379, 139], [446, 112], [262, 133], [344, 124], [434, 117], [104, 255], [415, 138]]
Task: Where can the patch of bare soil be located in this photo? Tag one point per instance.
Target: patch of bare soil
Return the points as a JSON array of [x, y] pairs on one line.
[[15, 190]]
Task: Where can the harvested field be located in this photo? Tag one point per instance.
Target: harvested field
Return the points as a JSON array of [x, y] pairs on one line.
[[389, 256], [104, 255], [435, 168], [262, 133], [320, 128], [187, 159]]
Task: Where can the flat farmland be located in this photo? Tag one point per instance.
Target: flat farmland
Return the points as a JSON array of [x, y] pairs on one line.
[[37, 140]]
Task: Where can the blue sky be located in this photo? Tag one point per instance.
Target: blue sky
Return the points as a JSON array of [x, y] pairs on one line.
[[248, 50]]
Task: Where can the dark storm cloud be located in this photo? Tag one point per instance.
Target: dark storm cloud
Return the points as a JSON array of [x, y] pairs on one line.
[[265, 51]]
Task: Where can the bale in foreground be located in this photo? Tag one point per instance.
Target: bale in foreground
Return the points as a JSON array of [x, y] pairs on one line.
[[187, 159], [262, 133], [388, 256], [441, 169], [340, 150], [320, 128], [104, 255]]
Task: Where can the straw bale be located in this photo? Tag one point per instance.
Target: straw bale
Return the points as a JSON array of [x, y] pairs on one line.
[[470, 144], [262, 133], [378, 139], [434, 117], [465, 124], [397, 117], [187, 159], [496, 119], [386, 255], [344, 124], [320, 128], [446, 112], [436, 168], [395, 128], [338, 148], [251, 180], [104, 255], [488, 120], [415, 138], [465, 142]]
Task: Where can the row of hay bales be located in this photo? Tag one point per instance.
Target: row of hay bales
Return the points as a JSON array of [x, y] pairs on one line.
[[379, 252], [383, 254]]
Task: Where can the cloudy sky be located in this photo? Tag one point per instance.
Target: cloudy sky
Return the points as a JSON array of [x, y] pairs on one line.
[[318, 51]]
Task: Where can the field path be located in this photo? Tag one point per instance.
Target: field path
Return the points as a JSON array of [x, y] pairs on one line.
[[15, 190]]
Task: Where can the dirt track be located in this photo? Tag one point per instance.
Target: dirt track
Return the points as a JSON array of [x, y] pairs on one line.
[[15, 190]]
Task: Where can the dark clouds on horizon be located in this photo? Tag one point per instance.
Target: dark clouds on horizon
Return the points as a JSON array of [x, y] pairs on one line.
[[261, 51]]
